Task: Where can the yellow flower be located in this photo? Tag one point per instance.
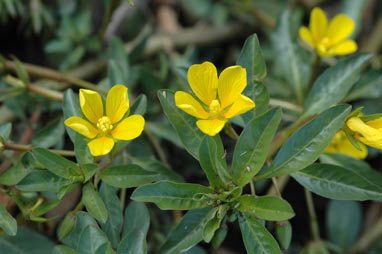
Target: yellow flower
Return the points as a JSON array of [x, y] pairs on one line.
[[218, 99], [340, 144], [369, 133], [329, 39], [104, 128]]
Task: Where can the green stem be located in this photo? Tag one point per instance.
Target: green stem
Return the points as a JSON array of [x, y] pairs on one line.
[[113, 4], [230, 131], [252, 185], [27, 148], [314, 72], [78, 207], [276, 186], [122, 197], [158, 149], [47, 93], [312, 216]]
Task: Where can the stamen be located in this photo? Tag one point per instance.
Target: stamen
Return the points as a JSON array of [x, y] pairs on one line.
[[104, 124]]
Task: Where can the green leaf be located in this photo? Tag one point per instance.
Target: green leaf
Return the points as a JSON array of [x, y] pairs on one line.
[[214, 223], [5, 131], [219, 236], [188, 232], [266, 207], [212, 161], [292, 62], [82, 221], [46, 207], [67, 225], [333, 85], [113, 225], [340, 183], [91, 240], [127, 176], [172, 196], [284, 234], [55, 163], [62, 249], [21, 72], [184, 124], [16, 173], [252, 147], [261, 98], [369, 86], [133, 243], [307, 143], [49, 135], [343, 230], [71, 107], [251, 58], [256, 238], [41, 180], [94, 203], [89, 170], [165, 173], [136, 217], [26, 242], [7, 222], [140, 105], [165, 131]]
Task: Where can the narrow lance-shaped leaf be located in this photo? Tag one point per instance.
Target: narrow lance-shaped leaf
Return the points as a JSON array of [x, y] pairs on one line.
[[136, 217], [168, 195], [133, 243], [333, 85], [41, 180], [252, 148], [94, 203], [184, 124], [266, 207], [188, 232], [340, 183], [7, 222], [307, 143], [256, 238]]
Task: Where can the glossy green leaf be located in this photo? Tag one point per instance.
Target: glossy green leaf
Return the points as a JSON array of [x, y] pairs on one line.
[[127, 176], [67, 225], [252, 147], [369, 86], [71, 107], [343, 222], [212, 161], [89, 170], [340, 183], [49, 135], [54, 163], [136, 217], [284, 234], [307, 143], [214, 223], [7, 222], [26, 241], [333, 85], [82, 221], [91, 240], [292, 62], [165, 173], [113, 225], [140, 105], [41, 180], [188, 232], [172, 196], [16, 173], [256, 238], [266, 207], [5, 131], [133, 243], [94, 203], [62, 249], [65, 189], [184, 124], [219, 236], [46, 207]]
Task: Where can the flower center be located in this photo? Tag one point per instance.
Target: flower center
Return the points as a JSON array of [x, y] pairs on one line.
[[323, 44], [104, 124], [215, 109]]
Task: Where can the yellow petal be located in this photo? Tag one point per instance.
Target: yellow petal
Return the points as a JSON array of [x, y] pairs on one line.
[[346, 47], [340, 27], [240, 106], [376, 124], [129, 128], [203, 79], [188, 104], [91, 105], [306, 35], [101, 146], [210, 127], [232, 82], [318, 24], [373, 141], [81, 126], [369, 136], [117, 103], [348, 149]]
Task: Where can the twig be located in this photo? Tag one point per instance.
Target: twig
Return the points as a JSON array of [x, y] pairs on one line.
[[286, 105], [276, 186], [312, 216], [369, 236], [27, 148]]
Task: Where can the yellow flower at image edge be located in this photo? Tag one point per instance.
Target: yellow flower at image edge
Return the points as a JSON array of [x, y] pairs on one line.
[[340, 144], [104, 128], [218, 98], [369, 133], [329, 39]]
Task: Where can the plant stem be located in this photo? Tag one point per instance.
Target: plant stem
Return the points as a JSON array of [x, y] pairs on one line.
[[113, 4], [314, 72], [158, 149], [276, 186], [122, 197], [47, 93], [27, 148], [230, 131], [312, 216], [370, 235], [78, 207], [252, 185]]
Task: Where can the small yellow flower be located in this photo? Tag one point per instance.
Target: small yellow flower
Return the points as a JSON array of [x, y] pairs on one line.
[[329, 39], [369, 133], [341, 144], [218, 99], [104, 129]]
